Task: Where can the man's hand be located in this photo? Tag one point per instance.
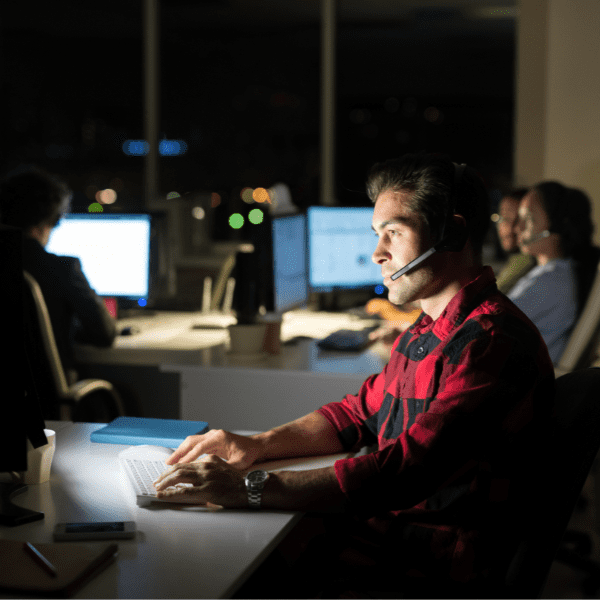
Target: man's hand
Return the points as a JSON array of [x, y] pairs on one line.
[[239, 451], [213, 482]]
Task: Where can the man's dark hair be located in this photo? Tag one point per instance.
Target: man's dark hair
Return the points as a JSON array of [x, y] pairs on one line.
[[30, 196], [431, 179]]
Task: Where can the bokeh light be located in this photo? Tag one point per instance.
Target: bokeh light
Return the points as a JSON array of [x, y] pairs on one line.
[[256, 216], [379, 289], [173, 195], [136, 147], [198, 213], [236, 221], [261, 195], [433, 115], [172, 147], [246, 195], [215, 200], [95, 207], [107, 196]]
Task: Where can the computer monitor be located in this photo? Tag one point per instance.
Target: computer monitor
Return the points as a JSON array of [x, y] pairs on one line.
[[22, 418], [275, 275], [114, 250], [340, 246], [289, 263]]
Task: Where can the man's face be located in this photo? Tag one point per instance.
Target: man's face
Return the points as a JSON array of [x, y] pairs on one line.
[[402, 238], [507, 229]]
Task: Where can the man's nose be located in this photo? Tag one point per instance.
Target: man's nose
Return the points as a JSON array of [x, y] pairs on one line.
[[380, 255]]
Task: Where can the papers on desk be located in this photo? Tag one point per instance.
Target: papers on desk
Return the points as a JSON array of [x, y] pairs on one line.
[[75, 564], [136, 431]]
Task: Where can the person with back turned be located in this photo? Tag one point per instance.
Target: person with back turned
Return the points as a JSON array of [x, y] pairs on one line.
[[466, 388], [34, 201]]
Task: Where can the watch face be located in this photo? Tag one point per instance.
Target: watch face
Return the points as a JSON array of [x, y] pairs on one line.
[[257, 476]]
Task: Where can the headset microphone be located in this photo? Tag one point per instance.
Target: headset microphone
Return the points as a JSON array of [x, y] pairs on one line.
[[413, 263], [540, 236], [445, 243]]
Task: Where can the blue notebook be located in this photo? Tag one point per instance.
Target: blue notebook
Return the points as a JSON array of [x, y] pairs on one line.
[[156, 432]]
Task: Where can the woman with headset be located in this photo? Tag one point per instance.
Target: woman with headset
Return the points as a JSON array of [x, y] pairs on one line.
[[555, 227]]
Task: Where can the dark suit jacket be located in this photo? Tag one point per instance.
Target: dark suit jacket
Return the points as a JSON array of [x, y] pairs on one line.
[[76, 311]]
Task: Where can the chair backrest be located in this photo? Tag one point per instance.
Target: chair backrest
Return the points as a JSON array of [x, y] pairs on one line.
[[559, 468], [584, 339], [47, 337]]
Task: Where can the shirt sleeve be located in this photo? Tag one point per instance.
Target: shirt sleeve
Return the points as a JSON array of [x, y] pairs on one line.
[[485, 396], [355, 417]]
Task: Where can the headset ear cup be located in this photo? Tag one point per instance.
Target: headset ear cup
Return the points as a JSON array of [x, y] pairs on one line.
[[456, 232], [455, 237]]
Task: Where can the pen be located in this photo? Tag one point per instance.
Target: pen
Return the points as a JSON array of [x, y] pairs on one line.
[[40, 559]]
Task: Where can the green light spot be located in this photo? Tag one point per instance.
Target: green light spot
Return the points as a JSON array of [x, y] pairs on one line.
[[256, 216], [236, 221], [95, 207]]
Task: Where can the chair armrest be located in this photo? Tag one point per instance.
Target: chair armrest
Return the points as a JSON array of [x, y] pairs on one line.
[[83, 388]]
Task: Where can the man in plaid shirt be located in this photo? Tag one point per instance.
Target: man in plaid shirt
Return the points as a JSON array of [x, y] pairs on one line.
[[451, 415]]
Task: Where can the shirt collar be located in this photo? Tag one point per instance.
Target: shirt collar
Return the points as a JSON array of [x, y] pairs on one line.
[[459, 308]]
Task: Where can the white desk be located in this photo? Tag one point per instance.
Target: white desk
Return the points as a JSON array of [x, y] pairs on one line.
[[179, 552], [179, 372]]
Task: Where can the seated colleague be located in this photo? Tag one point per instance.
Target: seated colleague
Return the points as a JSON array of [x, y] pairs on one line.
[[518, 264], [34, 201], [555, 227], [452, 414]]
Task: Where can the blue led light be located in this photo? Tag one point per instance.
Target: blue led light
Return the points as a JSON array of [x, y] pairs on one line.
[[136, 147], [142, 302], [172, 147], [165, 147], [379, 289]]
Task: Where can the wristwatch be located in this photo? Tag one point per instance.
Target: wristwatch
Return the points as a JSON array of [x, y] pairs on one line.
[[255, 482]]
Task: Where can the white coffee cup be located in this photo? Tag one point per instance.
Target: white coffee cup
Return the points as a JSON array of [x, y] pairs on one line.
[[39, 460]]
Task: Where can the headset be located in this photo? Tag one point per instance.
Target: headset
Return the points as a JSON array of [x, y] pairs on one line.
[[540, 236], [453, 236]]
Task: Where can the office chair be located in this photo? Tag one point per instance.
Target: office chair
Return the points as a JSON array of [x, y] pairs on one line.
[[221, 283], [583, 342], [81, 401], [564, 459]]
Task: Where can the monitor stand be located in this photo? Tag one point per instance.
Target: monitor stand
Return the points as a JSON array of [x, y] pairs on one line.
[[12, 515]]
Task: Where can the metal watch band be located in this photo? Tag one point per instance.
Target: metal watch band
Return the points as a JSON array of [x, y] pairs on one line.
[[255, 482], [254, 497]]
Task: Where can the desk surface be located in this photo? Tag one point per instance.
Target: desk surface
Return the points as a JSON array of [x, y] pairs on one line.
[[169, 338], [179, 552]]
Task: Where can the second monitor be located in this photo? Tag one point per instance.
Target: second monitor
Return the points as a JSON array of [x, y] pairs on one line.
[[341, 244]]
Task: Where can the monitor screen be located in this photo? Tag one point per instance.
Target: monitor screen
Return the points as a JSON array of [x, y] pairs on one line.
[[290, 284], [341, 244], [114, 250]]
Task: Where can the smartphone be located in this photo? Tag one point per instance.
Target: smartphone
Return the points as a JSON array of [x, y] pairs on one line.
[[109, 530]]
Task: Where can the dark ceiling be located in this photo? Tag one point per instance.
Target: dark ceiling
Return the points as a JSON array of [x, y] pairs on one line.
[[239, 81]]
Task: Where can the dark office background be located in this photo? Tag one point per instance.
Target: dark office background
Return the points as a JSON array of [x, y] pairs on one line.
[[239, 83]]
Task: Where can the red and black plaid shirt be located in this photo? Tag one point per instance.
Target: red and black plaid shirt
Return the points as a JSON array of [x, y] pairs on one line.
[[451, 415]]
